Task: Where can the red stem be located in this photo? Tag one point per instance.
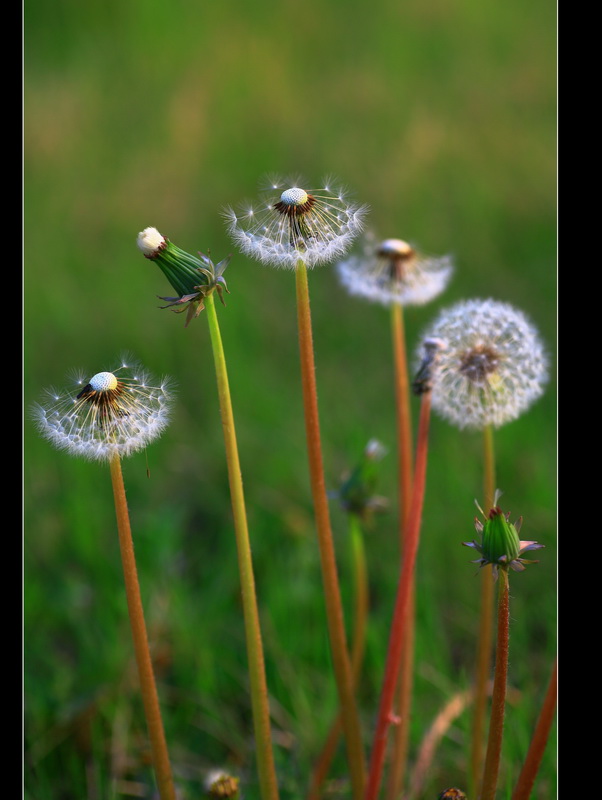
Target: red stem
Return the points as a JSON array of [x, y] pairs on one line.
[[526, 779], [397, 636]]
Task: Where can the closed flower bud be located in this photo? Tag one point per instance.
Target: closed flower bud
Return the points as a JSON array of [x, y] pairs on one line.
[[192, 278], [500, 544]]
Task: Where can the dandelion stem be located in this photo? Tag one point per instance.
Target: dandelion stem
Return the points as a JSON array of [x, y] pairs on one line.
[[397, 636], [334, 607], [485, 640], [259, 692], [360, 583], [145, 667], [498, 698], [404, 431], [526, 779]]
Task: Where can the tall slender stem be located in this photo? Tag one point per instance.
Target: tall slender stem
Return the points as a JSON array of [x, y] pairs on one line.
[[257, 680], [404, 433], [498, 697], [360, 584], [148, 688], [526, 779], [334, 607], [397, 636], [485, 640], [404, 417]]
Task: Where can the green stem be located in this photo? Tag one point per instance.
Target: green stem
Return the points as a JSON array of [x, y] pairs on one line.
[[397, 636], [498, 697], [259, 692], [334, 607], [404, 432], [485, 640], [526, 779], [148, 688], [360, 583]]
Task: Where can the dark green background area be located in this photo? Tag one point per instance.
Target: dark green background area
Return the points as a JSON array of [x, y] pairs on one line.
[[439, 115]]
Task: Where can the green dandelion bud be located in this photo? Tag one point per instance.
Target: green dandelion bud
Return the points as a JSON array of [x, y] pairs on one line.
[[356, 493], [192, 278], [500, 544]]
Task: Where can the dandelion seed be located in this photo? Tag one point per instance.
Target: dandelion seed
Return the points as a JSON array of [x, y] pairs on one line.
[[392, 271], [295, 224], [116, 413], [493, 365]]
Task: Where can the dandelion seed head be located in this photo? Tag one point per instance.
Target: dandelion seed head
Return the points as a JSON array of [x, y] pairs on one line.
[[392, 271], [492, 368], [295, 224], [116, 413]]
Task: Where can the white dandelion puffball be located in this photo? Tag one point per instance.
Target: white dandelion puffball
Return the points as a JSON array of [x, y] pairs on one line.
[[392, 271], [110, 414], [150, 241], [295, 224], [493, 365]]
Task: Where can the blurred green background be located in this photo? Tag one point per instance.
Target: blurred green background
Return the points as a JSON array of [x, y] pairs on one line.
[[439, 115]]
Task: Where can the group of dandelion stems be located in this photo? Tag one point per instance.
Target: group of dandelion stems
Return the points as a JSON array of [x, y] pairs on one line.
[[466, 349]]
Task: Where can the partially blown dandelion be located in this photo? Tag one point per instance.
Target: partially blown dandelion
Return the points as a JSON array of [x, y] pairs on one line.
[[392, 271], [493, 366], [294, 224], [298, 229], [111, 414]]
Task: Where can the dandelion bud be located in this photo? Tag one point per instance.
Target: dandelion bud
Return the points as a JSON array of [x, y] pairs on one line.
[[356, 493], [192, 278], [221, 785], [500, 545]]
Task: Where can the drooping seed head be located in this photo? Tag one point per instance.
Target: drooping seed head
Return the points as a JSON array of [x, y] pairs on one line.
[[392, 271], [116, 413], [295, 224]]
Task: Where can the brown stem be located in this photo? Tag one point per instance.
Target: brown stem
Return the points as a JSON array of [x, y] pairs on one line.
[[360, 577], [404, 433], [334, 607], [527, 776], [498, 698], [397, 635], [145, 667]]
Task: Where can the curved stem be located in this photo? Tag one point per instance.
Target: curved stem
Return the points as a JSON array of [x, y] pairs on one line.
[[527, 776], [148, 688], [360, 582], [257, 680], [498, 697], [397, 636], [334, 608], [485, 640]]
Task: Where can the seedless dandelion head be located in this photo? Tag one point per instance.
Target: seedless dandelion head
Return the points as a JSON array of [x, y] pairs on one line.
[[293, 224], [493, 365], [112, 413], [392, 271]]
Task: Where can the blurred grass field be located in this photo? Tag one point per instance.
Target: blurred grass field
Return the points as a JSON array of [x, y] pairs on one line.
[[440, 116]]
